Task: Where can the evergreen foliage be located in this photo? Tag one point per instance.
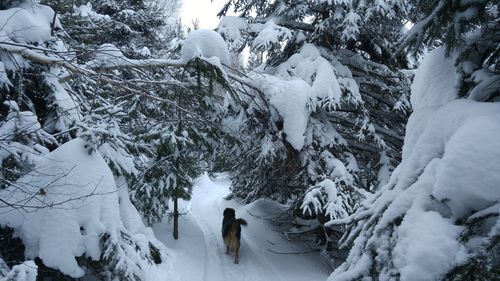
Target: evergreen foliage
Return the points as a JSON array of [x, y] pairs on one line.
[[45, 105], [469, 32], [347, 131]]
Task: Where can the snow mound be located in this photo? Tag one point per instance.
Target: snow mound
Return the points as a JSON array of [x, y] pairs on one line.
[[66, 207], [205, 43], [27, 23], [434, 82], [444, 161], [265, 208]]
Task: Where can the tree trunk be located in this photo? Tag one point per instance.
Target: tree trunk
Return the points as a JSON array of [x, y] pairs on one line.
[[176, 220]]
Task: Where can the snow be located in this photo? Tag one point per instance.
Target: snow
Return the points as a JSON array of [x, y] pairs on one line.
[[485, 89], [430, 129], [66, 107], [434, 82], [86, 11], [328, 195], [231, 29], [442, 158], [350, 26], [26, 271], [18, 123], [200, 251], [118, 156], [321, 129], [300, 85], [334, 202], [64, 206], [311, 67], [474, 145], [205, 43], [291, 104], [385, 170], [4, 80], [108, 55], [28, 23], [290, 99], [270, 34], [427, 246], [303, 84], [70, 173]]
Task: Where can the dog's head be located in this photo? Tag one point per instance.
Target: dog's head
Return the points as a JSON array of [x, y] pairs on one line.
[[229, 212]]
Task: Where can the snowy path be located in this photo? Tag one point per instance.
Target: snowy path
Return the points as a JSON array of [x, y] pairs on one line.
[[200, 252]]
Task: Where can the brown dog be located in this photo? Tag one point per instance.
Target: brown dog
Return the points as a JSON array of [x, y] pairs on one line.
[[231, 232]]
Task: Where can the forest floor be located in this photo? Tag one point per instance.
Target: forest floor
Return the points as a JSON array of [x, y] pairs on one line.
[[199, 253]]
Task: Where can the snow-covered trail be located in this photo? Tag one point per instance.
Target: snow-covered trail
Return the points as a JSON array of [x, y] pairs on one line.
[[199, 254]]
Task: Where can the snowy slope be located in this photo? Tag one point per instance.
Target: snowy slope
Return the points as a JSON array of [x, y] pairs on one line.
[[200, 252]]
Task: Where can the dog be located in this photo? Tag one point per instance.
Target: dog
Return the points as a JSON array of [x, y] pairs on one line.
[[231, 232]]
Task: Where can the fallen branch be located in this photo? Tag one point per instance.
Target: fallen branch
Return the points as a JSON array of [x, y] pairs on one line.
[[291, 253]]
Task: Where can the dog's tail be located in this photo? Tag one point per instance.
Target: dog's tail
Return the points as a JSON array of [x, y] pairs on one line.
[[241, 222]]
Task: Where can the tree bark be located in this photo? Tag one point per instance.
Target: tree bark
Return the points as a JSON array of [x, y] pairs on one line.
[[176, 219]]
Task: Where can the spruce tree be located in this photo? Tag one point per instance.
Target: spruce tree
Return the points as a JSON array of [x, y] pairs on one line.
[[389, 236]]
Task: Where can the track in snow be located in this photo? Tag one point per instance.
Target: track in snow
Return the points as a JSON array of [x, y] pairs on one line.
[[199, 254]]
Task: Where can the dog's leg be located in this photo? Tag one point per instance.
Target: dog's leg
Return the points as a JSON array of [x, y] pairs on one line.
[[228, 244], [236, 247], [236, 258]]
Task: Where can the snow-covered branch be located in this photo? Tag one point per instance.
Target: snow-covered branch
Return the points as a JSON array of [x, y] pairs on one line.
[[386, 132], [29, 53], [416, 33]]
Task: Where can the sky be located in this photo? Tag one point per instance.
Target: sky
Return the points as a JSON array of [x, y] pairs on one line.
[[205, 10]]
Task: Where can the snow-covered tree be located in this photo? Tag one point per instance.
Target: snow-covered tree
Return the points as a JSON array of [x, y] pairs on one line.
[[437, 218], [322, 119], [184, 131], [53, 90]]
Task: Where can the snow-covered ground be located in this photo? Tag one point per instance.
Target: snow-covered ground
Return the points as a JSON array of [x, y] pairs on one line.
[[200, 252]]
